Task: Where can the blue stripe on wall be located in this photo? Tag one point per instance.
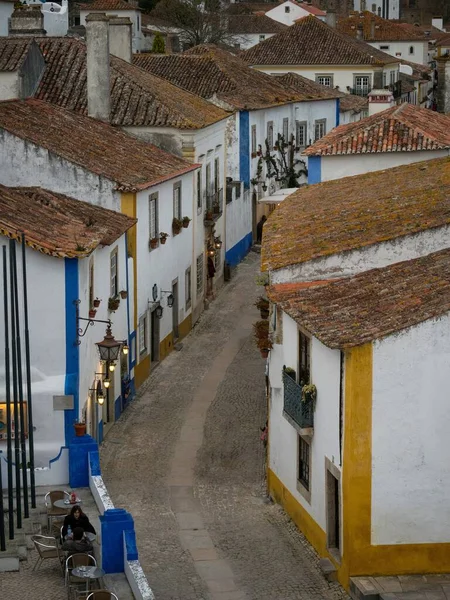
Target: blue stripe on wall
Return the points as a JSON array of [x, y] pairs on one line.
[[338, 114], [234, 255], [71, 384], [244, 147], [314, 169]]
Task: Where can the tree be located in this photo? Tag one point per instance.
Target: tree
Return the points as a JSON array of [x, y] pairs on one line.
[[198, 21], [158, 46]]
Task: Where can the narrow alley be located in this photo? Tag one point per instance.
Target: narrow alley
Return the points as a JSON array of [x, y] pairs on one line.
[[187, 461]]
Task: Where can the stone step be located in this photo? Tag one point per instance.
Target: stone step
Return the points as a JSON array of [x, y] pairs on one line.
[[401, 587], [328, 569]]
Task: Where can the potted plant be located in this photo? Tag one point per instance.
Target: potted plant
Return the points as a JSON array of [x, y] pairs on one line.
[[153, 243], [264, 345], [261, 329], [290, 372], [309, 393], [96, 302], [92, 313], [185, 221], [209, 215], [113, 303], [123, 294], [163, 237], [262, 304], [176, 226], [253, 154], [80, 428]]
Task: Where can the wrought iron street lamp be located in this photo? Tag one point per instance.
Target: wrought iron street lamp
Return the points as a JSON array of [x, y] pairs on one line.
[[109, 348]]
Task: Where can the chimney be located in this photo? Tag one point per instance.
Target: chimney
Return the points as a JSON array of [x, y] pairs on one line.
[[27, 20], [443, 88], [380, 100], [372, 29], [330, 19], [360, 32], [120, 37], [438, 22], [98, 80]]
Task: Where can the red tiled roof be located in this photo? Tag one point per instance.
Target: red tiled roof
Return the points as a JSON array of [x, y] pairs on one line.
[[313, 10], [244, 24], [212, 72], [353, 102], [402, 128], [308, 88], [98, 147], [374, 304], [13, 52], [312, 42], [100, 5], [444, 41], [355, 212], [137, 98], [56, 224], [377, 29]]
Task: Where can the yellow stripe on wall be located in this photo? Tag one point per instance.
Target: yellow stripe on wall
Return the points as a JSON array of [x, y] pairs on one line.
[[128, 207]]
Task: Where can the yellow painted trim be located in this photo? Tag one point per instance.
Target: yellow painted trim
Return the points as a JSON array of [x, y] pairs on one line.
[[128, 207], [185, 326], [166, 346], [142, 371]]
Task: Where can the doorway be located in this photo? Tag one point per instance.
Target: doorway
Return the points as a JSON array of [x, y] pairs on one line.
[[154, 337], [175, 328], [333, 514]]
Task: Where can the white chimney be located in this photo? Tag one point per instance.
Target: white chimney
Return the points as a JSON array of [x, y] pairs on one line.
[[380, 100], [330, 19], [438, 22], [120, 41], [359, 32], [98, 79]]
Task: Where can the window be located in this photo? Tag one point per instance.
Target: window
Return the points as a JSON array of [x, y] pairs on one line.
[[138, 23], [374, 8], [216, 175], [114, 279], [304, 351], [392, 77], [262, 37], [188, 287], [253, 139], [91, 283], [286, 130], [153, 228], [384, 79], [411, 49], [208, 178], [199, 189], [326, 80], [301, 134], [384, 47], [303, 462], [320, 129], [287, 9], [200, 272], [270, 134], [362, 85], [143, 334], [177, 200]]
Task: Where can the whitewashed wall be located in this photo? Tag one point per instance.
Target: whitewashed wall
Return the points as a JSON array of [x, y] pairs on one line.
[[9, 84], [6, 10], [402, 50], [239, 218], [336, 167], [373, 256], [248, 40], [325, 374], [136, 24], [288, 18], [410, 450], [394, 7]]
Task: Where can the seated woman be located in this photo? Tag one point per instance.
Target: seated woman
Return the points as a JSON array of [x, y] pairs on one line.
[[78, 544], [75, 519]]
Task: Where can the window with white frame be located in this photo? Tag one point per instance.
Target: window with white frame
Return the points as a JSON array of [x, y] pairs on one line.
[[384, 79], [114, 275], [362, 85], [304, 463], [253, 139], [177, 200], [411, 49], [143, 334], [286, 130], [216, 175], [199, 189], [392, 77], [270, 134], [199, 265], [153, 227], [188, 287], [301, 139], [320, 129], [326, 80], [262, 37]]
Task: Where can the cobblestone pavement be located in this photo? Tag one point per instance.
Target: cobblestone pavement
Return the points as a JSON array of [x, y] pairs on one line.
[[186, 460], [47, 582]]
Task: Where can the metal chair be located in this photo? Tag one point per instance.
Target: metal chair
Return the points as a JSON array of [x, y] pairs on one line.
[[47, 547], [73, 561], [102, 595], [52, 510]]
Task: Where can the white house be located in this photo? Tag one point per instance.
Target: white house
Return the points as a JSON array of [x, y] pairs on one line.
[[55, 16], [321, 53], [382, 8], [114, 170], [400, 135], [289, 12], [68, 248], [361, 314], [6, 10], [248, 30]]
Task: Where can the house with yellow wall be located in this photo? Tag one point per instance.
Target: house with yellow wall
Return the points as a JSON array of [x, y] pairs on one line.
[[360, 330]]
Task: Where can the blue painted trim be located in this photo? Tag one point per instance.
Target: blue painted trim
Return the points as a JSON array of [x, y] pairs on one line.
[[117, 408], [94, 463], [234, 255], [132, 338], [314, 169], [130, 544], [244, 147], [100, 431], [71, 385], [338, 113], [128, 299], [52, 460]]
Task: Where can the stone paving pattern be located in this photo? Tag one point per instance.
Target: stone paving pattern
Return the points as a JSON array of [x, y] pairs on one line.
[[186, 460]]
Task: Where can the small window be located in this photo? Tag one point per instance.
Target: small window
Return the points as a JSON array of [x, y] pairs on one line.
[[208, 178], [301, 134], [188, 287], [286, 130], [143, 334], [270, 134], [287, 9], [304, 464], [384, 79], [262, 37], [114, 274], [253, 139], [304, 358], [91, 283], [200, 272], [392, 77], [216, 175], [411, 49], [138, 23], [320, 129], [326, 80], [153, 228], [199, 189], [384, 47], [177, 200], [374, 8]]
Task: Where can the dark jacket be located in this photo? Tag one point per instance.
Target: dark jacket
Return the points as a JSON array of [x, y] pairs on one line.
[[82, 522], [76, 546]]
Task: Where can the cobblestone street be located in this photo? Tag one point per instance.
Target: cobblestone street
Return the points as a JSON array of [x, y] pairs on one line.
[[187, 461]]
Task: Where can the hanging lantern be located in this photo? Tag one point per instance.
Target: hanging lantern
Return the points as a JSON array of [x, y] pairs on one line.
[[109, 348]]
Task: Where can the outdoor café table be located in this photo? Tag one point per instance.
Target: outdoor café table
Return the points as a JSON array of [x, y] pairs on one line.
[[66, 503], [90, 536], [88, 573]]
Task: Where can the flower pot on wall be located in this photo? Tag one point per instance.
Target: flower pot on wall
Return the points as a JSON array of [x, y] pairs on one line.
[[264, 352], [92, 313], [123, 294], [96, 303], [186, 221], [80, 429]]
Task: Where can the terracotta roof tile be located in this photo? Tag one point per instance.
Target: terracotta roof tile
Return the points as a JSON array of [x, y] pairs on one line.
[[212, 72], [137, 97], [377, 29], [248, 8], [313, 10], [100, 5], [444, 41], [312, 42], [354, 212], [374, 304], [308, 88], [56, 224], [402, 128], [244, 24], [353, 102], [98, 147], [13, 52]]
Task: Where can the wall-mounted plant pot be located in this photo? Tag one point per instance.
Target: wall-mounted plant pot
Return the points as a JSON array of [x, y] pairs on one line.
[[163, 240], [92, 313], [153, 243], [264, 314], [113, 304], [96, 303], [80, 429], [264, 352], [123, 294]]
